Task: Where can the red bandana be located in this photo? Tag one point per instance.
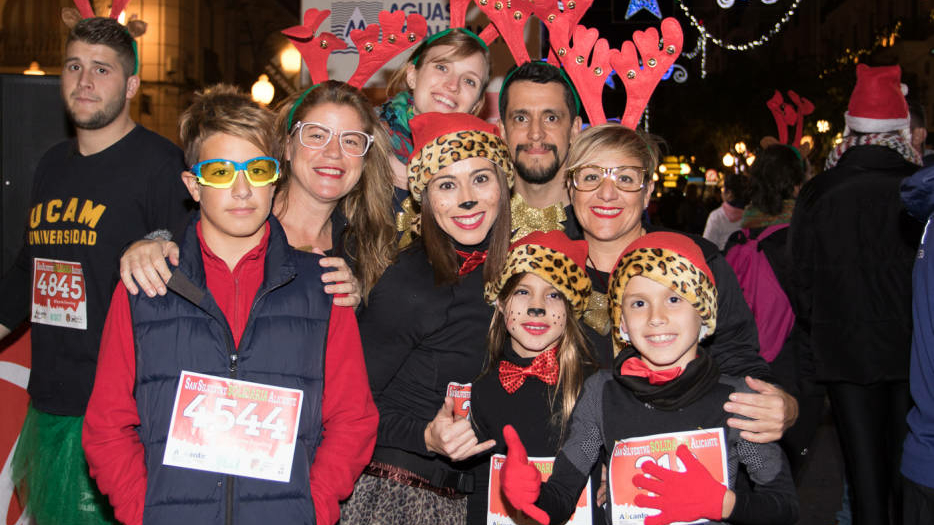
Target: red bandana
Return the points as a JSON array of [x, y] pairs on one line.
[[544, 367], [471, 261], [637, 367]]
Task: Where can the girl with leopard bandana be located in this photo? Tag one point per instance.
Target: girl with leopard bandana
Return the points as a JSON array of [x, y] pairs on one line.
[[538, 355], [656, 419]]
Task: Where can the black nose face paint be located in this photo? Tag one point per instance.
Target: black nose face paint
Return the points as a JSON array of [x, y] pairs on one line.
[[537, 312], [467, 204]]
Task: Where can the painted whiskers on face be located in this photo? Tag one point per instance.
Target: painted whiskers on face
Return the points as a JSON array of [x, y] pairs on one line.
[[465, 199], [663, 326], [535, 315]]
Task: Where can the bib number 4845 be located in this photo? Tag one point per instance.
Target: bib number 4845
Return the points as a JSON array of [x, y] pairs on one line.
[[52, 284]]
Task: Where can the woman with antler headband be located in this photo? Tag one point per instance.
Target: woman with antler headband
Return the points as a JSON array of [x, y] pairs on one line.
[[610, 211], [335, 191], [446, 73], [425, 323]]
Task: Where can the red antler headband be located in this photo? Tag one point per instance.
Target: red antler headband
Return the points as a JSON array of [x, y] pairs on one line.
[[136, 28], [641, 72], [373, 51], [786, 115]]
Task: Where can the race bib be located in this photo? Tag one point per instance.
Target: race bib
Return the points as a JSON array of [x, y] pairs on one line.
[[233, 427], [461, 394], [500, 512], [59, 296], [708, 445]]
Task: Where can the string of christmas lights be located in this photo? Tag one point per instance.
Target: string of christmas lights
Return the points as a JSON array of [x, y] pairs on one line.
[[752, 44]]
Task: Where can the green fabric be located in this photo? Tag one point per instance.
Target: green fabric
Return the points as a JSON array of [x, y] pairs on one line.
[[755, 218], [395, 113], [51, 474]]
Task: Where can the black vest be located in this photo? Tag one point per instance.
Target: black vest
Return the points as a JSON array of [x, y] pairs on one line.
[[283, 344]]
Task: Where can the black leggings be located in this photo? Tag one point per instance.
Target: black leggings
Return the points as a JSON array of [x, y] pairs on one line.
[[871, 424]]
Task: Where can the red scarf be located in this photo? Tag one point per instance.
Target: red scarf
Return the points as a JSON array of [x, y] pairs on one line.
[[471, 261], [544, 367], [637, 367]]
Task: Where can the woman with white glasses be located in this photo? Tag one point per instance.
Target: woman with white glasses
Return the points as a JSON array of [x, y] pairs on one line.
[[334, 194]]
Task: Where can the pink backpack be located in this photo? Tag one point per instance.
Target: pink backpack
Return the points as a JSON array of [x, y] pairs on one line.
[[762, 291]]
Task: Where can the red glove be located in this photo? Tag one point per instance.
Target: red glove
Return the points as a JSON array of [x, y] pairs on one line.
[[681, 496], [521, 481]]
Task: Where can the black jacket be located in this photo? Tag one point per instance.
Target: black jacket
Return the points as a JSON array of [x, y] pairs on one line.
[[853, 245]]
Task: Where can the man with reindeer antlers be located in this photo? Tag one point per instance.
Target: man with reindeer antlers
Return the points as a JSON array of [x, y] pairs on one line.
[[91, 196], [540, 110]]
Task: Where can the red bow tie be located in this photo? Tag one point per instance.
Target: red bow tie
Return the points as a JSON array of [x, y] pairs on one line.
[[544, 367], [471, 261], [636, 367]]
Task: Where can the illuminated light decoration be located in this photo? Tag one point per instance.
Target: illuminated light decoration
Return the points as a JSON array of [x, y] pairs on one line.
[[809, 140], [750, 159], [290, 59], [884, 40], [740, 147], [746, 46], [655, 177], [838, 138], [662, 168], [263, 90], [685, 168], [34, 69], [726, 4], [680, 75], [712, 177], [728, 160], [638, 5], [823, 126]]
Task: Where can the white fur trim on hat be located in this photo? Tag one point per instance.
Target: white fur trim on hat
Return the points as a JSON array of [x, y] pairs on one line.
[[873, 125]]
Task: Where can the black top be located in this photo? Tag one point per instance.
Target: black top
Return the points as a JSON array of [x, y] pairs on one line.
[[853, 245], [597, 423], [529, 410], [87, 209], [417, 337]]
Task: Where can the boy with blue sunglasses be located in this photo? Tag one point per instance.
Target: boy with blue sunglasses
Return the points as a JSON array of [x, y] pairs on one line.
[[241, 394]]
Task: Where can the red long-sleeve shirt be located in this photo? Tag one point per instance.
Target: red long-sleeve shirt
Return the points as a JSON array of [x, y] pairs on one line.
[[349, 417]]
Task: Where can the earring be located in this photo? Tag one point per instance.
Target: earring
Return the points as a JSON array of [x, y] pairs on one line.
[[623, 335]]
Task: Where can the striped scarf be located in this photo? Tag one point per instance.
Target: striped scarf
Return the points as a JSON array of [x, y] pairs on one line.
[[899, 141]]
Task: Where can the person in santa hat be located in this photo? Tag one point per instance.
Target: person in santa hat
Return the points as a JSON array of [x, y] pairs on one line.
[[853, 245]]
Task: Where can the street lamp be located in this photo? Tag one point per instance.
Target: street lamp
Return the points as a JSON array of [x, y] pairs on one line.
[[740, 147], [728, 160], [262, 90]]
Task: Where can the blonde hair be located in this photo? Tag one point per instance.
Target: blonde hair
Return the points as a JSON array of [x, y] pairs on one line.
[[614, 137], [464, 46], [368, 206], [223, 108], [575, 359]]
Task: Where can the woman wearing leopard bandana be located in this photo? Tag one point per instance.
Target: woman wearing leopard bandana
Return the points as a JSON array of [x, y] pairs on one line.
[[423, 327]]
